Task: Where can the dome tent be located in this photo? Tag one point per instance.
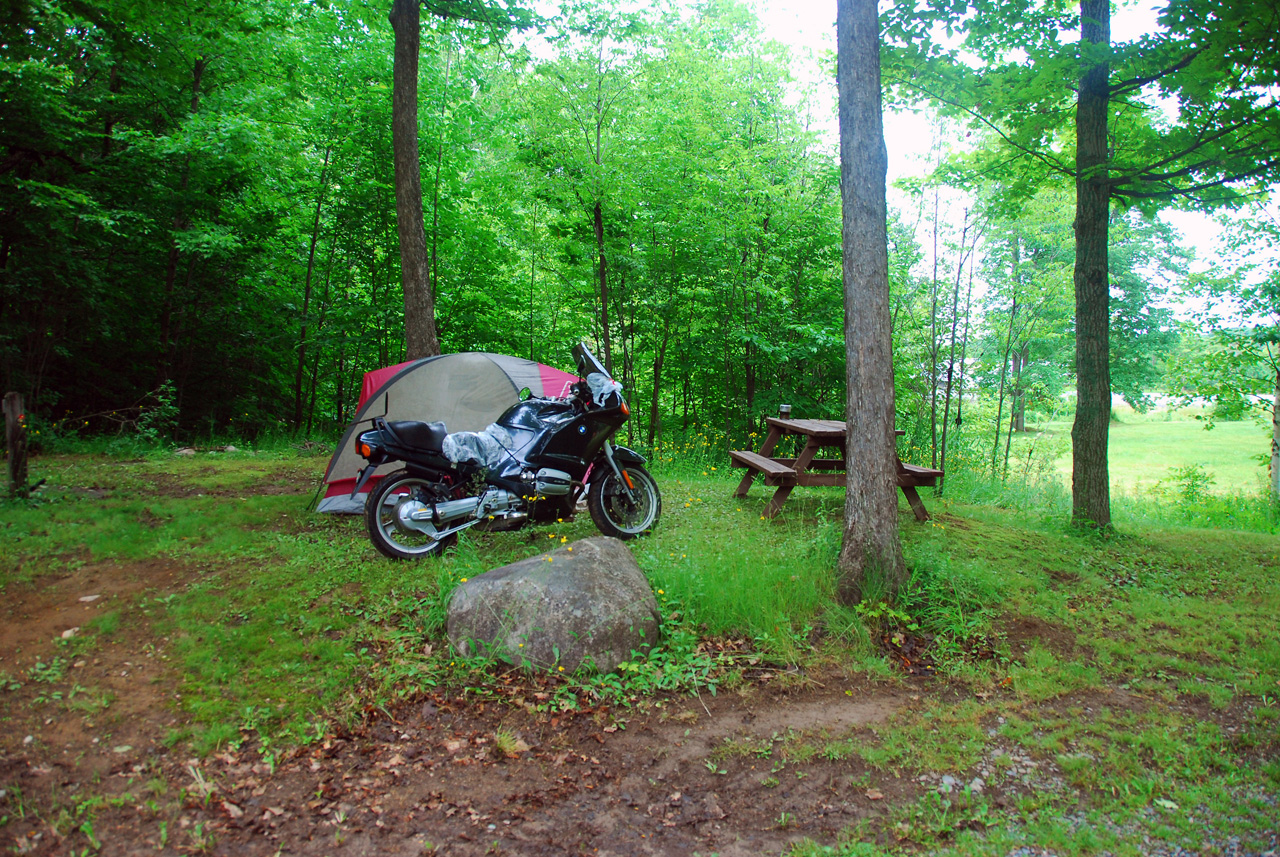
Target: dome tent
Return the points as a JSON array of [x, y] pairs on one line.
[[465, 391]]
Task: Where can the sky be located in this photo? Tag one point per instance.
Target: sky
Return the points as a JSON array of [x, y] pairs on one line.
[[808, 26]]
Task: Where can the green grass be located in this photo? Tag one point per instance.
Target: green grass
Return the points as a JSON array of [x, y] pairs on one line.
[[1148, 676], [1144, 449]]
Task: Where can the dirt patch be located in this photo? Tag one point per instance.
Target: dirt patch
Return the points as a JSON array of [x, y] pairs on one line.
[[257, 481], [34, 616], [1062, 577], [83, 669], [431, 774], [742, 773], [1024, 631]]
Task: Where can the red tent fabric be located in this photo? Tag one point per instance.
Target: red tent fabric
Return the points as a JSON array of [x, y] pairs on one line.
[[465, 391]]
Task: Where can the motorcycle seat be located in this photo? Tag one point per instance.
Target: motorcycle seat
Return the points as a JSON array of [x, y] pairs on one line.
[[419, 435]]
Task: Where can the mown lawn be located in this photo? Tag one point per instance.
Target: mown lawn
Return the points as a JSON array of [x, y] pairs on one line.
[[1146, 449]]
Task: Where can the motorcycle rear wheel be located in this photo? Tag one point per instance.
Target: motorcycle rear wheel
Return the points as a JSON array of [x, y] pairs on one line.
[[397, 495], [614, 512]]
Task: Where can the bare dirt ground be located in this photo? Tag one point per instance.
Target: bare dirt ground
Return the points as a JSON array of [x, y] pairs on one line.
[[425, 776]]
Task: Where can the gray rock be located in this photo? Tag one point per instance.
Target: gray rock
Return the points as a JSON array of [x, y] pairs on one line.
[[586, 604]]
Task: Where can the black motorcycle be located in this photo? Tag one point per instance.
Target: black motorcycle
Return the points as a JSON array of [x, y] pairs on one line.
[[534, 462]]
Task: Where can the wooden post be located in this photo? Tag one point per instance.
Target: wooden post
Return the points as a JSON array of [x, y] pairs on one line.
[[15, 434]]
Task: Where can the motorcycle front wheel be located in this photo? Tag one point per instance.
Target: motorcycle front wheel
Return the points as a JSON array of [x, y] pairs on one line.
[[392, 531], [619, 513]]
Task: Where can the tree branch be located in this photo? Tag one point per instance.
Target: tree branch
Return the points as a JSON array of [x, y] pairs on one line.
[[1052, 163], [1125, 86]]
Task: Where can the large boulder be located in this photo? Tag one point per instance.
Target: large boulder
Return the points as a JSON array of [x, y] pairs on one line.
[[587, 604]]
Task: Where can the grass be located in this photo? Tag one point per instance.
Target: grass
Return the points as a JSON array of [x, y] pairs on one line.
[[1145, 449], [1138, 672]]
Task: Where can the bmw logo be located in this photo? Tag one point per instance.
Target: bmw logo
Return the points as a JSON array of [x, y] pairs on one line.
[[582, 429]]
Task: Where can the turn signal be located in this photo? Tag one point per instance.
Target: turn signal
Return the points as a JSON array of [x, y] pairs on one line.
[[364, 449], [626, 412]]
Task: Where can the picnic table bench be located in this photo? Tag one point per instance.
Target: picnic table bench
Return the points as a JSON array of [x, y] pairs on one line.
[[806, 469]]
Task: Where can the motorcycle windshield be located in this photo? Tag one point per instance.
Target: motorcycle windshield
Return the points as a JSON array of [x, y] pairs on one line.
[[587, 362]]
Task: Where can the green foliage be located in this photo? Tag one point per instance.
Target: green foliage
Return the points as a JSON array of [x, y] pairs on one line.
[[1191, 484]]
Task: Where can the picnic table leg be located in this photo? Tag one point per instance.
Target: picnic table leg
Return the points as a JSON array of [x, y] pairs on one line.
[[770, 441], [917, 505], [805, 458], [778, 500]]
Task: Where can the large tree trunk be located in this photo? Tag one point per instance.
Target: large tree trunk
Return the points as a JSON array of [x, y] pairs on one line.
[[419, 301], [871, 553], [1090, 490]]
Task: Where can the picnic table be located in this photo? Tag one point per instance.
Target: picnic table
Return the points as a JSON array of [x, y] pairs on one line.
[[807, 469]]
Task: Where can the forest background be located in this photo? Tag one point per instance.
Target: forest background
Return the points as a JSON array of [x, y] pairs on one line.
[[198, 236]]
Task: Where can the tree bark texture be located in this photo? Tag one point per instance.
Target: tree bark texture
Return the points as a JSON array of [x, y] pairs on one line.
[[15, 435], [419, 301], [871, 554], [1090, 488]]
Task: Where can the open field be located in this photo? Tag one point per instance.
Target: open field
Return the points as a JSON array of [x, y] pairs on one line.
[[1144, 448], [190, 662]]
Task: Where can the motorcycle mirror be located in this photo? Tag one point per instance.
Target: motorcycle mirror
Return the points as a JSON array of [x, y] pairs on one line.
[[526, 394]]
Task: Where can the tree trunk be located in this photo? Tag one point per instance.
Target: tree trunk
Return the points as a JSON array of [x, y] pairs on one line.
[[15, 435], [871, 555], [940, 449], [658, 359], [306, 297], [419, 300], [1275, 442], [964, 348], [165, 353], [1004, 374], [1021, 358], [1090, 489], [933, 342], [601, 274], [435, 183]]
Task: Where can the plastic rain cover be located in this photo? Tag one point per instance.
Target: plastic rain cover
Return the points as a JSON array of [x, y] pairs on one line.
[[490, 447]]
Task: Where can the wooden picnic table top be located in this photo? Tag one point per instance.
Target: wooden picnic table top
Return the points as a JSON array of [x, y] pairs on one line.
[[821, 429]]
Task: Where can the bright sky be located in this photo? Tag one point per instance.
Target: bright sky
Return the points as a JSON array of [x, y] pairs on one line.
[[808, 26]]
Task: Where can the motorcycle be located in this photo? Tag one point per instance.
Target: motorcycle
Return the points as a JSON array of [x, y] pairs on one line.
[[533, 462]]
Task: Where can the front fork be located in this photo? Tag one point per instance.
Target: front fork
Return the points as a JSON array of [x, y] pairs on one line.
[[623, 478]]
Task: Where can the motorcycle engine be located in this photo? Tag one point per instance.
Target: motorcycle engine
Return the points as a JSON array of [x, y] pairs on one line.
[[547, 482]]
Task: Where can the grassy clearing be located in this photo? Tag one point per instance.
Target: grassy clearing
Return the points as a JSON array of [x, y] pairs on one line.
[[1146, 450], [1129, 683]]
